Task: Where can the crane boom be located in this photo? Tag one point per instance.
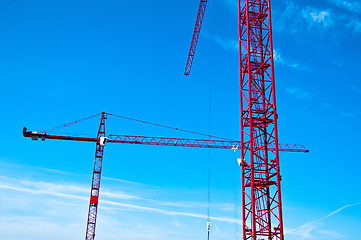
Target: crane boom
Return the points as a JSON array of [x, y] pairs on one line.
[[164, 141], [197, 30], [95, 188], [102, 139]]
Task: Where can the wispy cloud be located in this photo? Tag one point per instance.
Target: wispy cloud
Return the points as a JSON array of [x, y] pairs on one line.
[[286, 16], [279, 59], [232, 4], [232, 45], [317, 17], [355, 25], [73, 192], [305, 230], [291, 17], [120, 180], [337, 112], [336, 211], [77, 174], [299, 93], [352, 6], [168, 212], [226, 43], [355, 89], [32, 205], [330, 233], [40, 228]]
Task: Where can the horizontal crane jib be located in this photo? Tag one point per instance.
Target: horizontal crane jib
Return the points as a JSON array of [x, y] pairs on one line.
[[161, 141]]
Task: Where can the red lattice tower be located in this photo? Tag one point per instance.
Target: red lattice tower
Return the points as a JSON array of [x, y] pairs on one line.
[[94, 193], [261, 189], [196, 32]]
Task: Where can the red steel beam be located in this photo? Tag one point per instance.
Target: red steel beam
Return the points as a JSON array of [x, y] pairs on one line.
[[164, 141], [36, 135], [197, 30], [95, 188], [100, 141], [202, 143], [261, 179]]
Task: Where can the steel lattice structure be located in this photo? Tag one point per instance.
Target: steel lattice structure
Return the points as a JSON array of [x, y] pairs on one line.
[[101, 140], [97, 171], [261, 188], [197, 30], [164, 141]]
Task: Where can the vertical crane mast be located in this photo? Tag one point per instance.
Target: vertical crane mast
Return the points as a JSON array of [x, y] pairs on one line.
[[197, 30], [94, 193], [261, 190]]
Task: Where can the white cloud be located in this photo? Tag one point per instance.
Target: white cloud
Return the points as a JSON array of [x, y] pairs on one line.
[[168, 212], [318, 18], [291, 17], [337, 112], [232, 4], [355, 89], [305, 230], [330, 233], [355, 25], [354, 21], [119, 180], [232, 45], [40, 228], [287, 16], [336, 211], [31, 205], [108, 198], [54, 189], [227, 43], [352, 6], [279, 59], [299, 93]]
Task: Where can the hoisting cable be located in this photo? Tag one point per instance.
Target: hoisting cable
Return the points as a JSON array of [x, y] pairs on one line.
[[209, 123], [236, 196], [133, 119], [70, 123], [209, 195], [164, 126]]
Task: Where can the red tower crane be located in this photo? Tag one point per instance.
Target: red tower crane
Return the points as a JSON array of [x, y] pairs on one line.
[[197, 30], [102, 139], [261, 179]]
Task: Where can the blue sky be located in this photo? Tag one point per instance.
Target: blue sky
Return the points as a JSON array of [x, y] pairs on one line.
[[62, 61]]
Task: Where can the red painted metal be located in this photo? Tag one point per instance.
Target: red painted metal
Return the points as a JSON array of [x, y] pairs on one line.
[[180, 142], [200, 143], [163, 141], [197, 30], [97, 171], [261, 180], [35, 136]]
